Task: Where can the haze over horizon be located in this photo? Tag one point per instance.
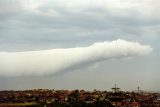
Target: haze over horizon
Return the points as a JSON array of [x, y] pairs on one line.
[[79, 44]]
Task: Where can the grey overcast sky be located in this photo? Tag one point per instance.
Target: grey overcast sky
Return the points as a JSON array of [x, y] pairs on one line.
[[37, 25]]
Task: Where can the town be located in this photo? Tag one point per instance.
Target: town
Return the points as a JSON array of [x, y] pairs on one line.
[[78, 98]]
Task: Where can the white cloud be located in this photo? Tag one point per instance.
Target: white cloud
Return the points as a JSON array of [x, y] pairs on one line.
[[53, 61]]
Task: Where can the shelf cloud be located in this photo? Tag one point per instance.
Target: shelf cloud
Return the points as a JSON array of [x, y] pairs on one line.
[[53, 61]]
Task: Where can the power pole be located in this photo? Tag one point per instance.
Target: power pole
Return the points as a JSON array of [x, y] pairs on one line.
[[138, 90], [115, 89]]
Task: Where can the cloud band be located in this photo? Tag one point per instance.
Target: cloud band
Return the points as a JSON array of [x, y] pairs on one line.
[[52, 61]]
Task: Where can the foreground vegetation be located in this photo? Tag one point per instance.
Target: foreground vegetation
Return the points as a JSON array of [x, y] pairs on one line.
[[71, 104]]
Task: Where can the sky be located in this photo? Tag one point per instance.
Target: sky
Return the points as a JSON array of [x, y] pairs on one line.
[[80, 44]]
